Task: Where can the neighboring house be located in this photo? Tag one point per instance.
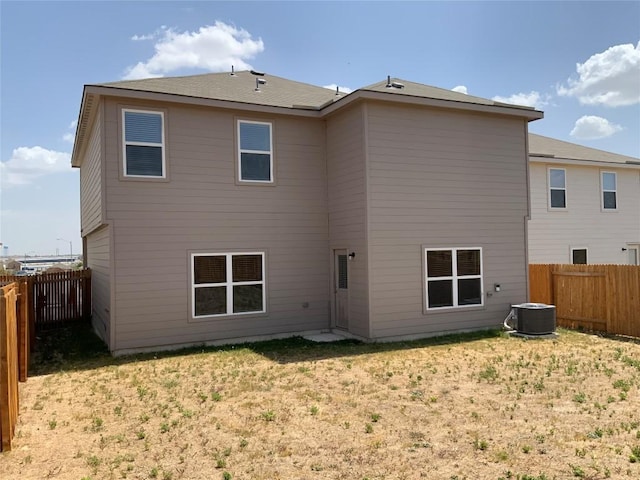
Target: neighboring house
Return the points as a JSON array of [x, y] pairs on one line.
[[585, 204], [219, 207]]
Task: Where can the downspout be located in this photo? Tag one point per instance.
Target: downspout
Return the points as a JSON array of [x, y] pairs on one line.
[[527, 217]]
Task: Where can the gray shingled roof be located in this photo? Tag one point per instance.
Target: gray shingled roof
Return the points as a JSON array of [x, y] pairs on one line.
[[550, 147], [281, 92], [426, 91], [241, 87]]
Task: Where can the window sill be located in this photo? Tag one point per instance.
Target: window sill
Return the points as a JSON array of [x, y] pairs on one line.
[[143, 178], [459, 309], [214, 318], [259, 183]]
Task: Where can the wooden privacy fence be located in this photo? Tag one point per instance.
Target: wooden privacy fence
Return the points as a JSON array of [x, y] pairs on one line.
[[27, 304], [56, 298], [603, 298], [14, 356], [61, 297]]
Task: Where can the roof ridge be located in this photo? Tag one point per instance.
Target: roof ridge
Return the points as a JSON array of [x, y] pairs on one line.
[[445, 92], [209, 74]]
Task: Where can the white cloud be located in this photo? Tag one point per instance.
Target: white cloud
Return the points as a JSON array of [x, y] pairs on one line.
[[213, 47], [28, 163], [333, 87], [590, 127], [610, 78], [531, 99], [150, 36], [70, 136], [137, 38], [460, 89]]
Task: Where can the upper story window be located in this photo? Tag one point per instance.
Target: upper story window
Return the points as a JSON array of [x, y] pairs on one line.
[[453, 277], [255, 152], [557, 188], [579, 256], [227, 284], [609, 191], [143, 143]]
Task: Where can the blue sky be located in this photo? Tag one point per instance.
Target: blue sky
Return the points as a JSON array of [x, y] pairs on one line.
[[577, 61]]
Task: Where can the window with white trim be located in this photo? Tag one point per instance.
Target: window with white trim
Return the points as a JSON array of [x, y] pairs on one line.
[[227, 284], [579, 256], [453, 277], [609, 182], [255, 152], [143, 143], [557, 188]]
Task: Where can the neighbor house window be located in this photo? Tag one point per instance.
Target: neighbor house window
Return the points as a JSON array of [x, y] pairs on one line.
[[255, 152], [227, 284], [609, 191], [579, 256], [143, 145], [453, 277], [557, 188]]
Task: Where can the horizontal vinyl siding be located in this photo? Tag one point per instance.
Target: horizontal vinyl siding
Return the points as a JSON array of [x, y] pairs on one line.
[[443, 179], [201, 209], [98, 260], [91, 179], [552, 233], [347, 208]]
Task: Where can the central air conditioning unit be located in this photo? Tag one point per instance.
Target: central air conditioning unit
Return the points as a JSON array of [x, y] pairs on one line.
[[533, 318]]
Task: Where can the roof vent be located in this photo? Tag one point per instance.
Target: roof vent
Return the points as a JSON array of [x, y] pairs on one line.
[[233, 72], [337, 90], [260, 81], [259, 74], [391, 84]]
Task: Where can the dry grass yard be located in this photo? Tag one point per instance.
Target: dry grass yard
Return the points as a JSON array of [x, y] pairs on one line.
[[467, 407]]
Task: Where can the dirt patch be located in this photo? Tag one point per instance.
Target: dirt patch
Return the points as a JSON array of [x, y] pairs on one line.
[[488, 407]]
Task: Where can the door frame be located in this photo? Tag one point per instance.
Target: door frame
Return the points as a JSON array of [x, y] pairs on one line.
[[334, 288]]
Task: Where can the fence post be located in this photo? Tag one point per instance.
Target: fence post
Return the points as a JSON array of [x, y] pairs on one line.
[[32, 313], [23, 330], [552, 285], [9, 398], [608, 290]]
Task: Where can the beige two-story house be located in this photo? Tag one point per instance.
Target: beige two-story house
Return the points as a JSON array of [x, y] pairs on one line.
[[233, 206], [585, 204]]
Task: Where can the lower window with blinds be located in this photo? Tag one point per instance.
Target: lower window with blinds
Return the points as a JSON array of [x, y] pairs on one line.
[[453, 277], [224, 284]]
